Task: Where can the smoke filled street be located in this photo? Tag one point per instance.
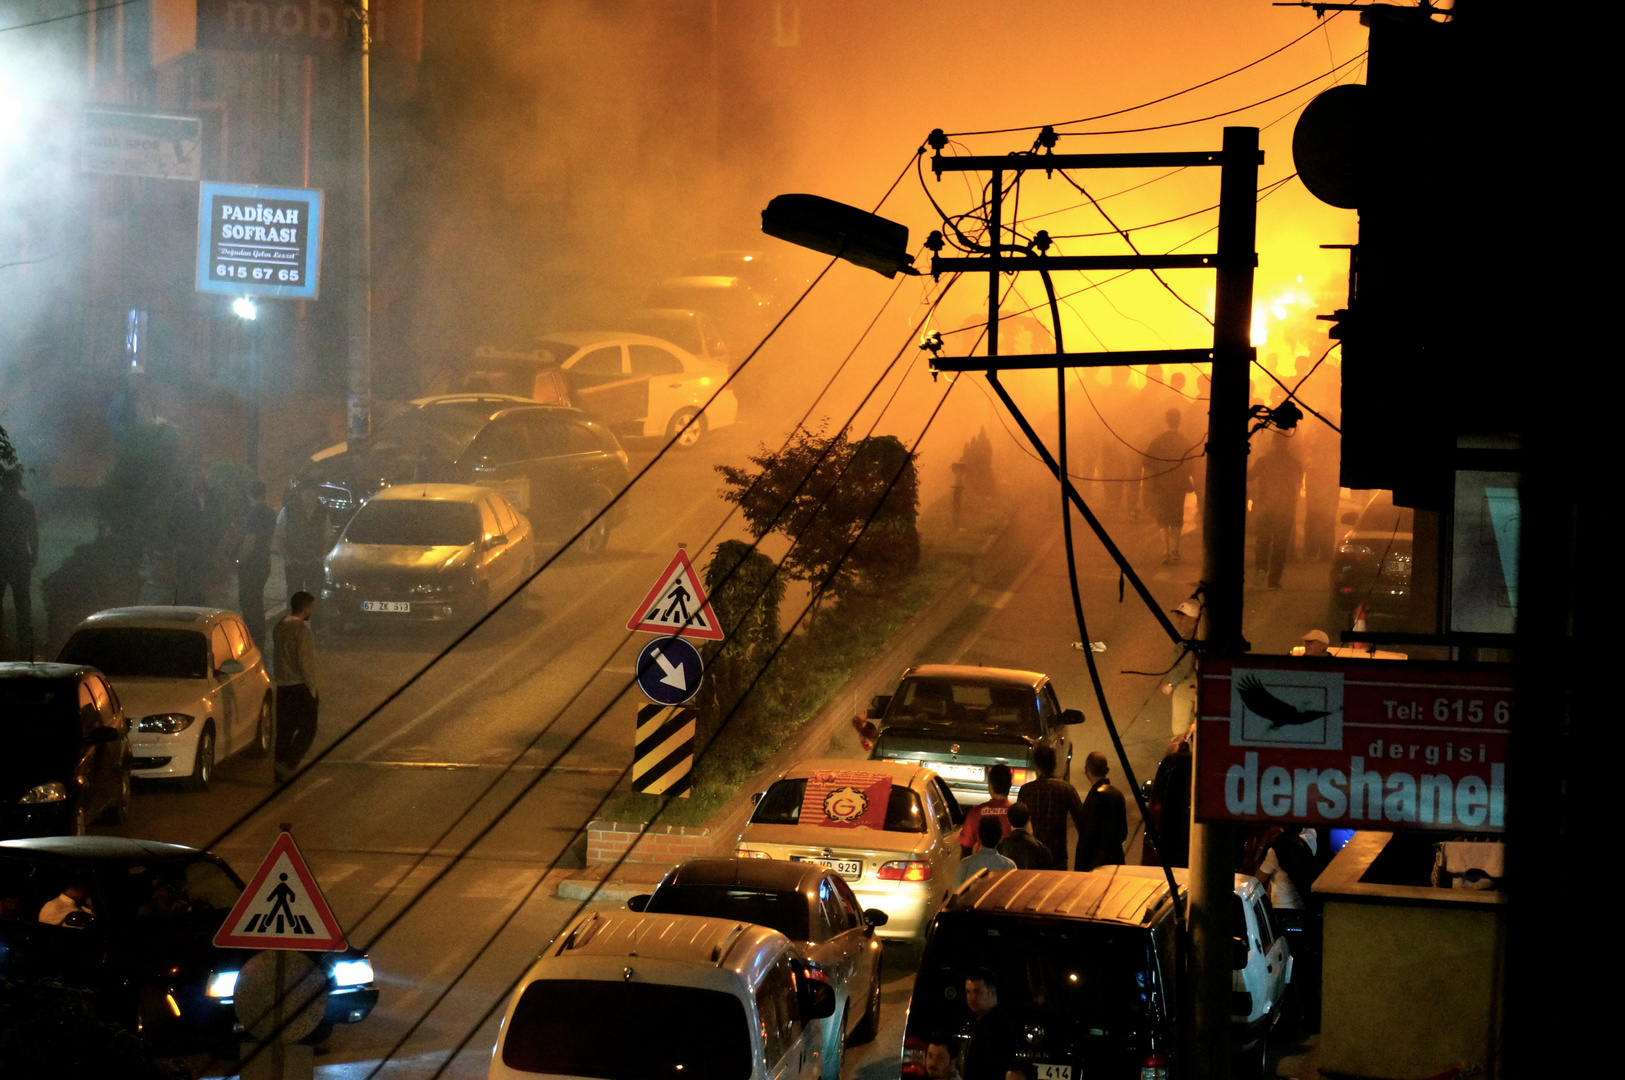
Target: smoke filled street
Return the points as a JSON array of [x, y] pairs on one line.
[[789, 540]]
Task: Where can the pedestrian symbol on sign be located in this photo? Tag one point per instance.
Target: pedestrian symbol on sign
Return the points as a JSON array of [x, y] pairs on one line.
[[280, 911], [676, 611], [282, 908]]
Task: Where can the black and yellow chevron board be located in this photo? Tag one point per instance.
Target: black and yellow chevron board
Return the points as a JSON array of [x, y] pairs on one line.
[[663, 761]]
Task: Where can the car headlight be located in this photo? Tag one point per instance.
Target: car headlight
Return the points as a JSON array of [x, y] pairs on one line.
[[164, 723], [352, 972], [55, 791], [222, 984]]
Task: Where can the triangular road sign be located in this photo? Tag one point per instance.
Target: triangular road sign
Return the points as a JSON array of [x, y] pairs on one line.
[[282, 908], [677, 606]]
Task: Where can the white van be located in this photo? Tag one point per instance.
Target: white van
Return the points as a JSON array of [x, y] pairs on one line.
[[626, 995]]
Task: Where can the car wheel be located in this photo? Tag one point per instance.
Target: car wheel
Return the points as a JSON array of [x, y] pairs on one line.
[[203, 763], [869, 1026], [595, 538], [119, 812], [833, 1059], [693, 431], [262, 730]]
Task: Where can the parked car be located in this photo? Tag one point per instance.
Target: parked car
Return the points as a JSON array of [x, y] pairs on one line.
[[1259, 988], [641, 995], [1087, 962], [533, 374], [807, 903], [193, 684], [641, 386], [67, 750], [741, 313], [891, 830], [428, 553], [145, 946], [960, 721], [687, 329], [1373, 564], [557, 466]]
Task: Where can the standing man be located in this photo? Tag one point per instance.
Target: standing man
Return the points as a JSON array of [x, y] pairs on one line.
[[254, 560], [191, 540], [987, 855], [993, 1038], [1105, 818], [303, 537], [1051, 801], [294, 660], [19, 550], [1020, 847], [1273, 484], [1179, 682], [998, 786], [1166, 476]]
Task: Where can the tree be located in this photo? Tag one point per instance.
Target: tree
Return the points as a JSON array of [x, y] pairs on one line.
[[849, 509], [745, 590]]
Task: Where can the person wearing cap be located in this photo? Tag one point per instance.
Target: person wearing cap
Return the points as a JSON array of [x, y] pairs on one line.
[[1315, 643], [1179, 681]]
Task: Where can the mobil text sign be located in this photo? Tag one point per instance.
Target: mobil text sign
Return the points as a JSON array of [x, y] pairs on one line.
[[1351, 743], [259, 241]]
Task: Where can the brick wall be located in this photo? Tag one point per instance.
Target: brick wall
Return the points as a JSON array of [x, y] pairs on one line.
[[661, 845]]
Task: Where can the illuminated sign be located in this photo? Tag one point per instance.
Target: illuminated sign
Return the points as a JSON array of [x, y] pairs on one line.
[[1391, 745], [259, 241]]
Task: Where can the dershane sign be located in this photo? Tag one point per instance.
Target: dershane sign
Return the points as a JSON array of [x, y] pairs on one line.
[[1376, 744]]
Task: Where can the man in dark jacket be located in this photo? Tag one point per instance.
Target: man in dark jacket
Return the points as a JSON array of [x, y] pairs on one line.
[[19, 549], [1105, 818], [1051, 801], [1020, 847]]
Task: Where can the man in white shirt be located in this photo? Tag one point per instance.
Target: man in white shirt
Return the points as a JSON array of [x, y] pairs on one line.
[[73, 898], [989, 831], [294, 664]]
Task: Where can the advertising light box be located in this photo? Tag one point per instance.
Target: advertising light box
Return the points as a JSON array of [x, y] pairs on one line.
[[259, 241], [1348, 743]]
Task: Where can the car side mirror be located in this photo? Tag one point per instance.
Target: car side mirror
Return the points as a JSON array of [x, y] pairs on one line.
[[879, 704], [103, 734], [1238, 953], [875, 917], [1071, 716], [867, 731], [756, 797], [817, 1000], [232, 667], [639, 902], [1146, 788]]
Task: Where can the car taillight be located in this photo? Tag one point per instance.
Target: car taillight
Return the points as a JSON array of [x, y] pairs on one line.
[[1154, 1067], [747, 853], [904, 870], [1017, 777], [913, 1056]]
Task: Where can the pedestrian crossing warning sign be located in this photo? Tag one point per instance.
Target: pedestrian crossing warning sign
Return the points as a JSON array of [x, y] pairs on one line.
[[282, 908], [677, 606]]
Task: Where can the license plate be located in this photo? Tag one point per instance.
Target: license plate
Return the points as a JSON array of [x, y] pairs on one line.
[[386, 605], [1054, 1072], [850, 869], [950, 771]]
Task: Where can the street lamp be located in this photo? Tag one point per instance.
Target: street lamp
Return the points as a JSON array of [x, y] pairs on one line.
[[246, 310]]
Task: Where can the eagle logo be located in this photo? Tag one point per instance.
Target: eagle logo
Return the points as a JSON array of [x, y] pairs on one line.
[[1266, 705]]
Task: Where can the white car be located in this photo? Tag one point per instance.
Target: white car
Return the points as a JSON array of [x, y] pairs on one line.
[[192, 681], [643, 386]]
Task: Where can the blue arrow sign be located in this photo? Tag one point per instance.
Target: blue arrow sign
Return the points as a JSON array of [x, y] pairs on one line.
[[669, 670]]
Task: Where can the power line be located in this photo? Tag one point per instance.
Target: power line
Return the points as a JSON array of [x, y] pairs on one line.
[[71, 15], [1160, 100]]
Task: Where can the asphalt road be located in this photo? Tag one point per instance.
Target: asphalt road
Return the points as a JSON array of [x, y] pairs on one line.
[[433, 823]]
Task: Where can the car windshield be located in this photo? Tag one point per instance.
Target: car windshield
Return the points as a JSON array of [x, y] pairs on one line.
[[627, 1031], [140, 651], [170, 890], [782, 806], [442, 431], [785, 912], [964, 706], [515, 377], [1099, 977], [415, 523], [1382, 517]]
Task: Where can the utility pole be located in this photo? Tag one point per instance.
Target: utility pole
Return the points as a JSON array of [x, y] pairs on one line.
[[358, 397], [1224, 531]]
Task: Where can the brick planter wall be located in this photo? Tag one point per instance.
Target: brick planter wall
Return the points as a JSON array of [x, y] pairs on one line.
[[661, 845]]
